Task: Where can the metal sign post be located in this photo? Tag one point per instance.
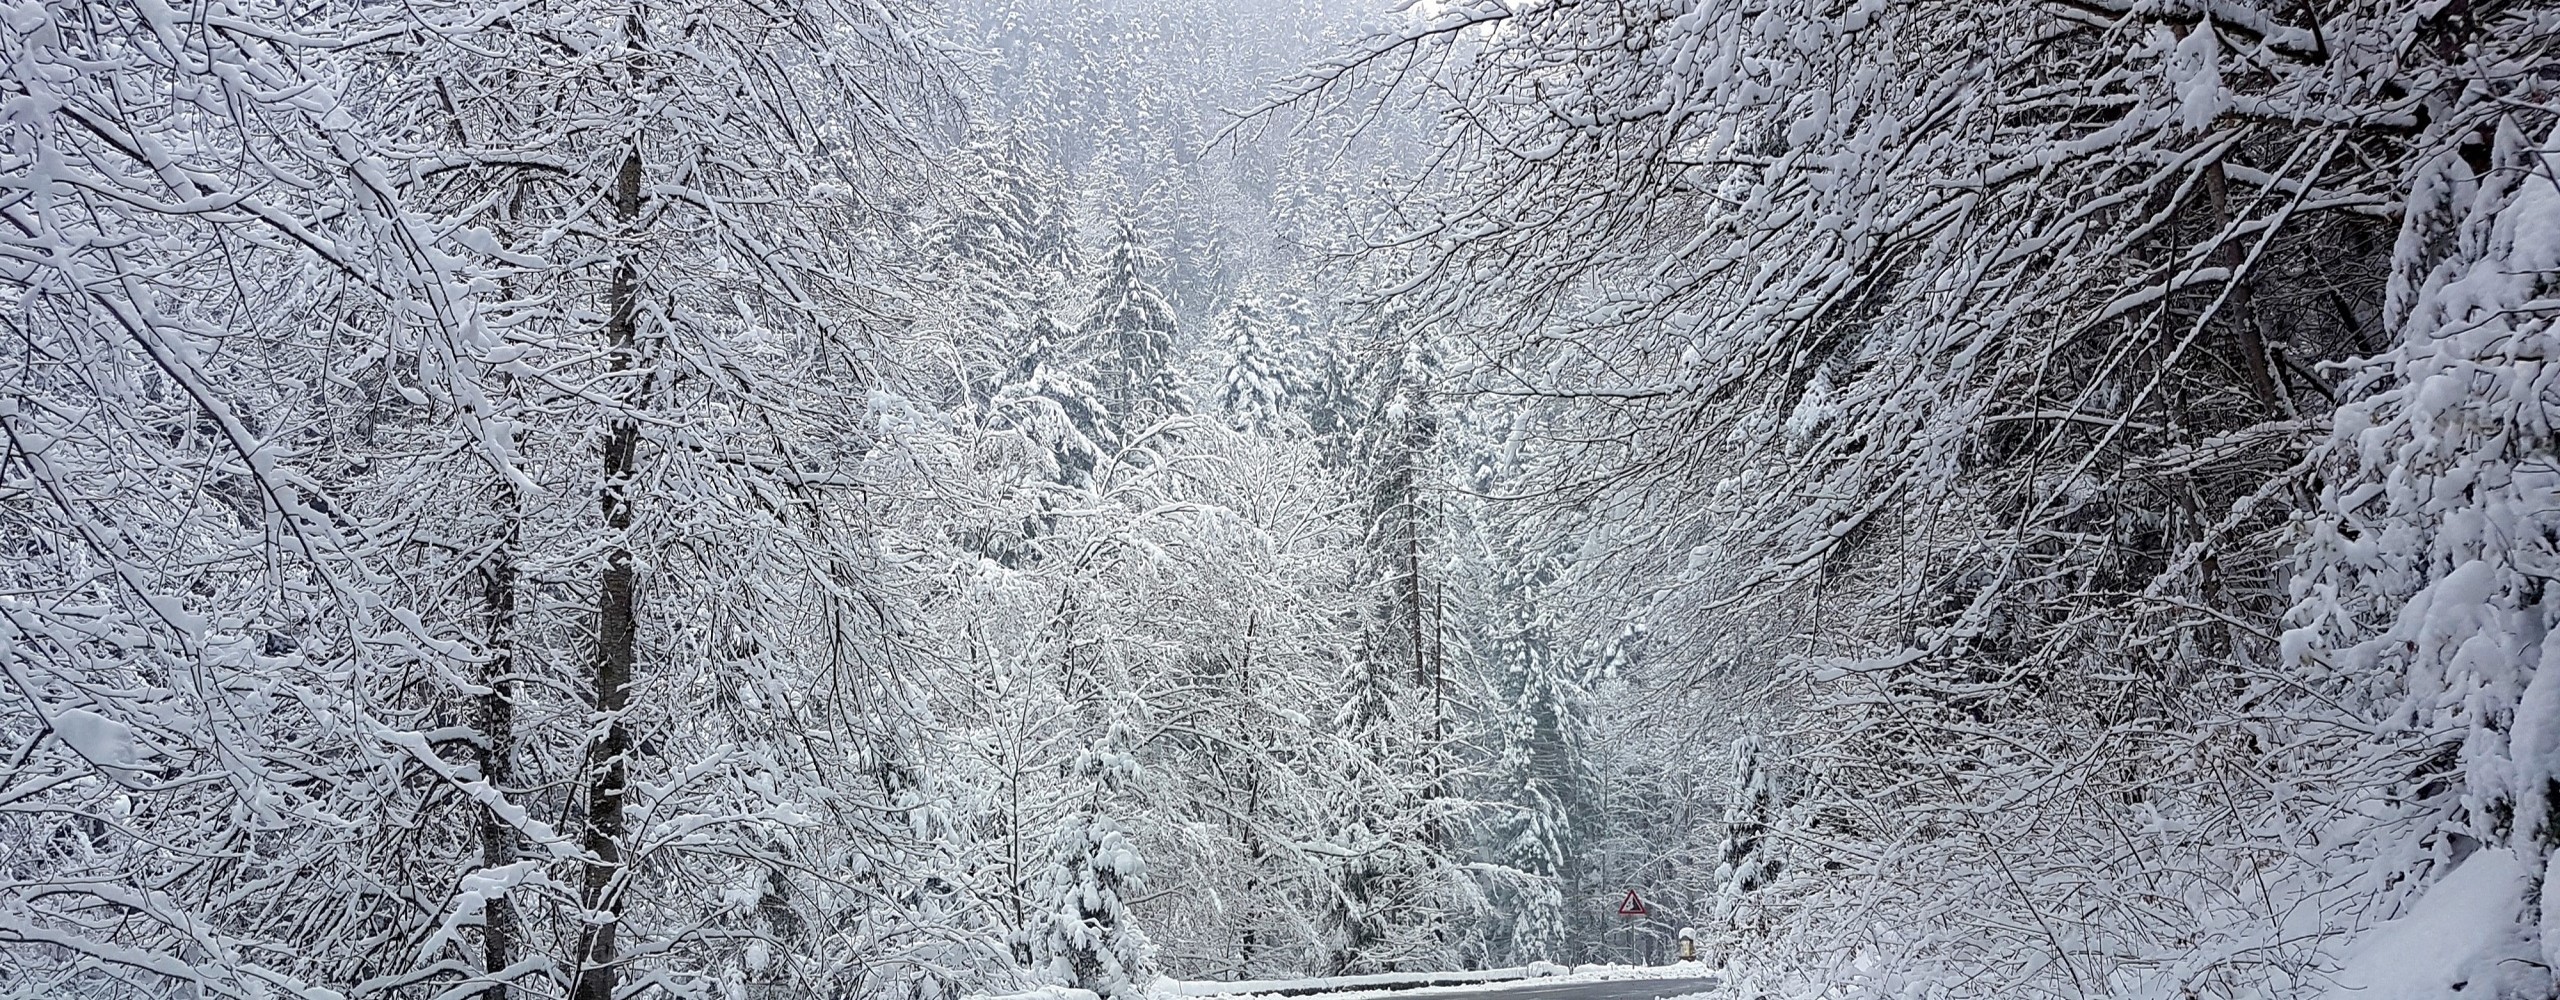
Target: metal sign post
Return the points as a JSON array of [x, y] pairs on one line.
[[1633, 909]]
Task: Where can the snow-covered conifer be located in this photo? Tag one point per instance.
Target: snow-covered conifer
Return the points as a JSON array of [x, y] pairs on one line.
[[1090, 939], [1260, 382], [1130, 329]]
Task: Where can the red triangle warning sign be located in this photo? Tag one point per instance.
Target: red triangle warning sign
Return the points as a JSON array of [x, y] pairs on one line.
[[1631, 906]]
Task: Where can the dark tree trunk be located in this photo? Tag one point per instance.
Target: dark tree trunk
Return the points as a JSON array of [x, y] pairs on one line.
[[2249, 342], [496, 722], [617, 608]]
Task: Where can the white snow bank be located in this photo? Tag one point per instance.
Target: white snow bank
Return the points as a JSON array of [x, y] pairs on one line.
[[1331, 984], [1385, 985], [2453, 945], [1612, 973], [1421, 985], [1048, 993]]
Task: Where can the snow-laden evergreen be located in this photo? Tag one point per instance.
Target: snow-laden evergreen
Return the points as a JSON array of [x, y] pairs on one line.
[[1131, 329], [2425, 594], [1089, 938]]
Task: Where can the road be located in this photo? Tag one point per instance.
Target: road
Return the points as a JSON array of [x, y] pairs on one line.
[[1621, 989]]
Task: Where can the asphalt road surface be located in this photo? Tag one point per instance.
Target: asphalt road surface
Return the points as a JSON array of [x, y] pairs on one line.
[[1623, 989]]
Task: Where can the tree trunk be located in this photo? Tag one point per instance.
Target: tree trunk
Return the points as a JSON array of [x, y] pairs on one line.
[[1250, 737], [617, 610], [2249, 342], [496, 722]]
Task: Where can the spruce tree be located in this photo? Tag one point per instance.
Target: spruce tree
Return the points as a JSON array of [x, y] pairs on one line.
[[1260, 379], [1746, 864], [1535, 772], [1090, 940], [1131, 331]]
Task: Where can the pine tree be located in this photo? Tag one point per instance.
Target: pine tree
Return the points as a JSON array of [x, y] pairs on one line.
[[1058, 401], [1005, 254], [1131, 332], [1090, 940], [1536, 768], [1396, 893], [1745, 863], [1261, 380], [2427, 584]]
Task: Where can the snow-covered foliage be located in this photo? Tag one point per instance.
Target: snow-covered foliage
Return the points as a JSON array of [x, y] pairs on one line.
[[379, 363], [1263, 381], [1090, 939], [1746, 864], [2094, 446], [841, 498], [2426, 591]]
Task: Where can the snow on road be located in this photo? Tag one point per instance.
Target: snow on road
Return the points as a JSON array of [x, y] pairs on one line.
[[1598, 989], [1540, 982]]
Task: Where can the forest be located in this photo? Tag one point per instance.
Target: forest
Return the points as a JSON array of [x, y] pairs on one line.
[[761, 499]]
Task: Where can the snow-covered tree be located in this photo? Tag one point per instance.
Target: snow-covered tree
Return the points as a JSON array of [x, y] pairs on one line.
[[709, 499], [2425, 593], [1533, 780], [1951, 377], [499, 521], [1130, 329], [1748, 861], [1090, 939], [1260, 380], [1006, 255]]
